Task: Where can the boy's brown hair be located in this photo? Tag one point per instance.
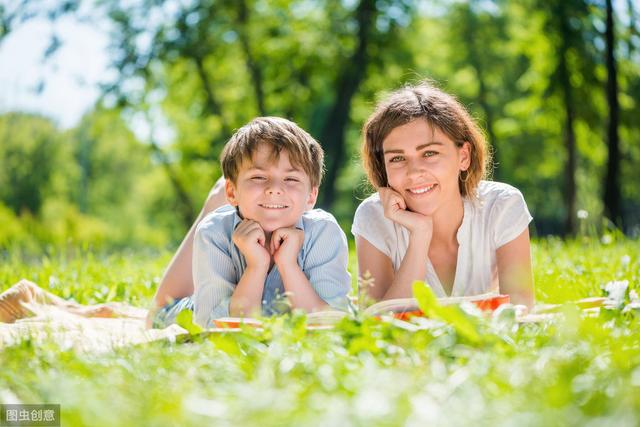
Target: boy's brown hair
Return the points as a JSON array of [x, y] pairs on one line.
[[439, 109], [280, 134]]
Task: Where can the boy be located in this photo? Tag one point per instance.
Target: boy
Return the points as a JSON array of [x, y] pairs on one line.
[[267, 245]]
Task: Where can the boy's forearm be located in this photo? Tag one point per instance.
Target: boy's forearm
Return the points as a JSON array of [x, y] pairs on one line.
[[247, 297], [300, 292]]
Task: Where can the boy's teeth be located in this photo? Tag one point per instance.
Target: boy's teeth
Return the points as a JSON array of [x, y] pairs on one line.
[[421, 190], [273, 206]]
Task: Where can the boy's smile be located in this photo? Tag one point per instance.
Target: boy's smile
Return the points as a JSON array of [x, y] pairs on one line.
[[270, 206], [271, 191]]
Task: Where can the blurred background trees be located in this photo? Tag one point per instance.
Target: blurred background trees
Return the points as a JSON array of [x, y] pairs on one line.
[[555, 84]]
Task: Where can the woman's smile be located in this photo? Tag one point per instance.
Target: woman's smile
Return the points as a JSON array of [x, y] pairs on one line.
[[422, 190]]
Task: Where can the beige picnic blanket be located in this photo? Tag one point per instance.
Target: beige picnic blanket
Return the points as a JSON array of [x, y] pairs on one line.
[[52, 325], [69, 331]]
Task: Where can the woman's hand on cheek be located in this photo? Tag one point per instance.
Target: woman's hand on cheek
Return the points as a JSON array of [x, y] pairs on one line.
[[250, 239], [395, 209], [285, 245]]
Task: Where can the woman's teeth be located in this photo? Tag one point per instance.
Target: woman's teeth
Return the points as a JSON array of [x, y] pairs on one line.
[[421, 190]]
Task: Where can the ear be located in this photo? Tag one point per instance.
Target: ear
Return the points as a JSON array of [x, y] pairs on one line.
[[313, 196], [230, 192], [464, 155]]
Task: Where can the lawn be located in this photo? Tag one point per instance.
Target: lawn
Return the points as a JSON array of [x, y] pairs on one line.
[[576, 370]]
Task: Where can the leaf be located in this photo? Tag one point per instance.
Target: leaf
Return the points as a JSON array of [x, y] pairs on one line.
[[451, 314], [185, 320]]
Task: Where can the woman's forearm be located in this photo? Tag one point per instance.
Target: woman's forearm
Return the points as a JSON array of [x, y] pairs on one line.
[[412, 268]]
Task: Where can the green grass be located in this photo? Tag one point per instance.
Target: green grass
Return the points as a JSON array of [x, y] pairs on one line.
[[576, 371]]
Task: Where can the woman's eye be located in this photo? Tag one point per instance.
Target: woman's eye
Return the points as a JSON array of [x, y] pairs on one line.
[[396, 159], [430, 153]]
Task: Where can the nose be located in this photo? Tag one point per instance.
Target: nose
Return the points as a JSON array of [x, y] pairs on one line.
[[416, 167], [274, 188]]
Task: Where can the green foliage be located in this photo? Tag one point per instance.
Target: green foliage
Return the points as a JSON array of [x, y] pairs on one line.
[[577, 370], [193, 72], [30, 148], [94, 185], [453, 314]]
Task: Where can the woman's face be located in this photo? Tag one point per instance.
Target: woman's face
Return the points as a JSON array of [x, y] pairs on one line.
[[423, 165]]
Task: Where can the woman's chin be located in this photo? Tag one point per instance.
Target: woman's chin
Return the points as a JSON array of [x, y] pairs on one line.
[[422, 209]]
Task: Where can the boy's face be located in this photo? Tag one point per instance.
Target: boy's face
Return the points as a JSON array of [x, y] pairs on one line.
[[271, 192]]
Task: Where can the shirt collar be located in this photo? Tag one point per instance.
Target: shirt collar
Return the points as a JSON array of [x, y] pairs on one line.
[[463, 231], [237, 219]]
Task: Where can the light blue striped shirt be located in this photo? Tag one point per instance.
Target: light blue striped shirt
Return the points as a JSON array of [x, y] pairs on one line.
[[218, 264]]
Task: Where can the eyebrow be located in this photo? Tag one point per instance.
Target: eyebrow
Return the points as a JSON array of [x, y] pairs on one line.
[[261, 169], [418, 148]]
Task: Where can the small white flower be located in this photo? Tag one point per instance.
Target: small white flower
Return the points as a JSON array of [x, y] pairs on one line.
[[625, 260], [607, 239], [616, 290], [582, 214]]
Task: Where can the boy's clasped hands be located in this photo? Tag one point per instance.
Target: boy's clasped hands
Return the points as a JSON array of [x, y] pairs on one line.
[[284, 245]]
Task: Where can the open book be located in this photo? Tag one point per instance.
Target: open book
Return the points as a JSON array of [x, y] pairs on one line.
[[400, 308]]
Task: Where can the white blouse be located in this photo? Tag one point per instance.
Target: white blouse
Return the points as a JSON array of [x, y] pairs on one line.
[[496, 217]]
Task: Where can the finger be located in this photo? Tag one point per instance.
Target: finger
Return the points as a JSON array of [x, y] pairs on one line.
[[396, 198], [277, 238], [401, 203], [272, 244], [256, 234], [245, 226], [262, 239]]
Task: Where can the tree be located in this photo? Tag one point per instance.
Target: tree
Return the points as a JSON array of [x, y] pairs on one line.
[[570, 29], [30, 154], [612, 199], [476, 28]]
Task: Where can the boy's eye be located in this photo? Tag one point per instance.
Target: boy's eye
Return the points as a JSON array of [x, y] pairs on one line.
[[292, 179], [258, 178]]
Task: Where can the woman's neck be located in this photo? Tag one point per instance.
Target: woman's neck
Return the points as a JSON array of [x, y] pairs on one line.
[[447, 222]]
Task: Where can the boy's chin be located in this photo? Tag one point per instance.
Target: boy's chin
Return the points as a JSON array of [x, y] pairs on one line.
[[270, 228]]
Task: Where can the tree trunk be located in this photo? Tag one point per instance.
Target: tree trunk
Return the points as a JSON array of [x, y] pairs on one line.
[[632, 28], [252, 65], [213, 106], [332, 136], [186, 209], [612, 198], [569, 132], [474, 60]]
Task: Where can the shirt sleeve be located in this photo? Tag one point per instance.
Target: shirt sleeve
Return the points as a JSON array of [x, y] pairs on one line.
[[214, 275], [510, 217], [325, 264], [368, 222]]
